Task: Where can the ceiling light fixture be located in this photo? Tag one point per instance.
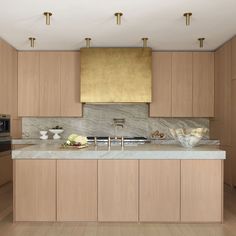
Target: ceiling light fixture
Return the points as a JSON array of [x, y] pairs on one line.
[[88, 40], [32, 42], [118, 17], [187, 16], [201, 40], [145, 42], [48, 17]]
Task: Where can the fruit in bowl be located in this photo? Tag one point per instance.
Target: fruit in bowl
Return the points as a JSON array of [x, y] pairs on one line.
[[76, 141], [188, 137]]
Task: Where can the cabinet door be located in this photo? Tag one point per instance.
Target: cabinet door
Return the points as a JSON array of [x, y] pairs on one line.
[[50, 84], [70, 84], [233, 58], [118, 190], [28, 83], [203, 84], [220, 126], [5, 169], [233, 154], [201, 190], [159, 192], [76, 190], [35, 190], [161, 85], [182, 84]]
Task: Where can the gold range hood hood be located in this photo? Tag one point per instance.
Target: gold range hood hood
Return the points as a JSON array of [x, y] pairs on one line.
[[116, 75]]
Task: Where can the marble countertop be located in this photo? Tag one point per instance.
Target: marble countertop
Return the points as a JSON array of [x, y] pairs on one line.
[[141, 151]]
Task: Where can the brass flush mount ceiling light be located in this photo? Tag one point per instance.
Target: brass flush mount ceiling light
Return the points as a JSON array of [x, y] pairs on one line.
[[145, 42], [187, 16], [118, 17], [32, 40], [48, 17], [88, 40], [201, 40]]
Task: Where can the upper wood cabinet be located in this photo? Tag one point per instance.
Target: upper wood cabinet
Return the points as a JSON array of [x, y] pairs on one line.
[[161, 84], [70, 84], [182, 84], [49, 89], [203, 84], [49, 84], [28, 84]]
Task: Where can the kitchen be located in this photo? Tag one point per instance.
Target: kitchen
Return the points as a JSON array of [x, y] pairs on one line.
[[102, 126]]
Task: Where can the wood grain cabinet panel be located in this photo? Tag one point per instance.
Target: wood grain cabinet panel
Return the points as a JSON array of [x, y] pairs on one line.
[[118, 190], [50, 84], [201, 190], [70, 84], [5, 169], [35, 190], [182, 84], [233, 153], [161, 85], [28, 84], [203, 84], [220, 126], [77, 190], [159, 190], [233, 41]]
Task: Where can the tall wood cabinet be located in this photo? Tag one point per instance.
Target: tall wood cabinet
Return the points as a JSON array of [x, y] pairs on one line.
[[183, 84], [49, 84]]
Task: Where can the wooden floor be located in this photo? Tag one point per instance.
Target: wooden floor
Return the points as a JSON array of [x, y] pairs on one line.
[[7, 228]]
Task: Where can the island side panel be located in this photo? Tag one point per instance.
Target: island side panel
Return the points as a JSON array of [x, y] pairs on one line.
[[77, 190], [35, 190], [201, 190], [159, 199], [118, 190]]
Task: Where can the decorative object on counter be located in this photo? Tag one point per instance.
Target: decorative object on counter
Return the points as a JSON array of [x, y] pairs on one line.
[[189, 137], [76, 141], [43, 134], [56, 131], [157, 135]]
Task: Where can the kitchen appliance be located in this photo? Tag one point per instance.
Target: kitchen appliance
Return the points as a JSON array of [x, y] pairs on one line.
[[5, 125]]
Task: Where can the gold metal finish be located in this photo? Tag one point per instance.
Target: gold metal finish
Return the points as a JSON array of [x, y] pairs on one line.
[[187, 16], [48, 17], [32, 42], [118, 17], [88, 40], [116, 75], [145, 42], [201, 40]]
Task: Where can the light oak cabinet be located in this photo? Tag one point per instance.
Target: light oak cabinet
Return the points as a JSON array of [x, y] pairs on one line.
[[118, 190], [201, 190], [28, 83], [203, 84], [77, 190], [182, 83], [5, 169], [159, 190], [161, 84], [49, 84], [35, 190]]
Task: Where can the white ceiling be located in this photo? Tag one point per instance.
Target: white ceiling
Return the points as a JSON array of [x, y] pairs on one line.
[[161, 21]]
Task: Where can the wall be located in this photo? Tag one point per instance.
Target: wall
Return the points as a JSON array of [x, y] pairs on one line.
[[97, 120]]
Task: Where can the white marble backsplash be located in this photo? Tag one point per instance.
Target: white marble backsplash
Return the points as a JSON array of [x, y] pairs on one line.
[[97, 120]]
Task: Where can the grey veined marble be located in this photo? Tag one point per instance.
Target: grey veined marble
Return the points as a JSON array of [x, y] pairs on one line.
[[97, 120]]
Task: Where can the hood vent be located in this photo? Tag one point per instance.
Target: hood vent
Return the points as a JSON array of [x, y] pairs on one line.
[[116, 75]]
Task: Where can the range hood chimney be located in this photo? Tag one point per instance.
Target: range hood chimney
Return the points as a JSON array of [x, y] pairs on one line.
[[116, 75]]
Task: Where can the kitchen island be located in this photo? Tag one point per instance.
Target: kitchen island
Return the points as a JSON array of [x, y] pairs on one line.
[[139, 183]]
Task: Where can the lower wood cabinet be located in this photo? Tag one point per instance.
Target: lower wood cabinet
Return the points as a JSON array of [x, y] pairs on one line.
[[201, 190], [159, 191], [118, 190], [77, 190], [35, 190], [5, 169]]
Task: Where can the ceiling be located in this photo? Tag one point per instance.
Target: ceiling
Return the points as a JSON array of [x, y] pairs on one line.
[[161, 21]]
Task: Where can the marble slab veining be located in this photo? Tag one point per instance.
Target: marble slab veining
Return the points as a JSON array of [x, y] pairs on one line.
[[143, 151]]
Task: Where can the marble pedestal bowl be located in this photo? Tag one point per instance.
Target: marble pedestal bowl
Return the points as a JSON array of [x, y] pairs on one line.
[[188, 137], [56, 133]]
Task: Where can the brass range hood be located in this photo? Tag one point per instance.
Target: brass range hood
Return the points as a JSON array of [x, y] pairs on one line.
[[116, 75]]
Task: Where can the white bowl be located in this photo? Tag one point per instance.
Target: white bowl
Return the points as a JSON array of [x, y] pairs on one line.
[[56, 133], [43, 132], [188, 137]]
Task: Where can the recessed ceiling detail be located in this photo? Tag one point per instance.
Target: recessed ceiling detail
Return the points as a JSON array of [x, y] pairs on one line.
[[161, 20]]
